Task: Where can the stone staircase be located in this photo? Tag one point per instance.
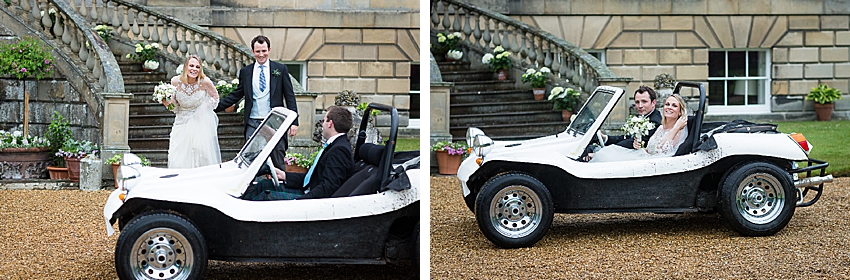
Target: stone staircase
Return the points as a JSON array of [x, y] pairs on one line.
[[499, 108], [150, 122]]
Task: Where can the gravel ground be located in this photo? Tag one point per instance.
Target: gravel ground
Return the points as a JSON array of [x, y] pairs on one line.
[[61, 235], [814, 245]]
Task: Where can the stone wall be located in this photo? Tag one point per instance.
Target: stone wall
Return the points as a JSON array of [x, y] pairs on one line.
[[46, 96], [808, 41]]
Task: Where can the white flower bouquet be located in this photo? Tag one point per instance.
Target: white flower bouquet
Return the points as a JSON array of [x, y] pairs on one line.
[[455, 54], [637, 126], [162, 92], [151, 64]]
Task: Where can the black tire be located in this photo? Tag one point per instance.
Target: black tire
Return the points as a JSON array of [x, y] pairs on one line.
[[514, 210], [160, 246], [757, 199]]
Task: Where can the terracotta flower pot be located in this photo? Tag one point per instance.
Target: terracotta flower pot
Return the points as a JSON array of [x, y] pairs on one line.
[[502, 74], [566, 114], [448, 164], [115, 167], [824, 111], [58, 173], [538, 93], [296, 169], [73, 168]]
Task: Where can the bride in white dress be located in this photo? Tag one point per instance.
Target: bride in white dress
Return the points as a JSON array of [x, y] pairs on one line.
[[663, 143], [194, 137]]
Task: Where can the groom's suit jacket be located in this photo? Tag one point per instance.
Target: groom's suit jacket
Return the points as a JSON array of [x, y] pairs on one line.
[[280, 90], [627, 142], [334, 166]]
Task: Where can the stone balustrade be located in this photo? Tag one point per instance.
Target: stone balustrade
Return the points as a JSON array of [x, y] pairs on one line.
[[483, 30]]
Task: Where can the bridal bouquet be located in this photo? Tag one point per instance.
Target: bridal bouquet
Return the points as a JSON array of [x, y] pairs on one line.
[[638, 126], [162, 92]]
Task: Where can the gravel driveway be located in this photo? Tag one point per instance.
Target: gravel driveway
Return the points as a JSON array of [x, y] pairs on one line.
[[814, 245], [61, 235]]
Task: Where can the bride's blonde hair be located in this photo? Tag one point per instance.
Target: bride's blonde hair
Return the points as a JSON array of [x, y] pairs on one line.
[[683, 107], [184, 77]]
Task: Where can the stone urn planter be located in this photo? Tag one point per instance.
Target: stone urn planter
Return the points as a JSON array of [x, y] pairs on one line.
[[448, 164], [24, 163]]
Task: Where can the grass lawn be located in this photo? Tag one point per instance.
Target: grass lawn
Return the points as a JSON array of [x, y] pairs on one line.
[[829, 142], [408, 144]]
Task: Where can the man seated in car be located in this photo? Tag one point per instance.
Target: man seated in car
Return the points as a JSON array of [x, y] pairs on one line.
[[333, 165], [645, 99]]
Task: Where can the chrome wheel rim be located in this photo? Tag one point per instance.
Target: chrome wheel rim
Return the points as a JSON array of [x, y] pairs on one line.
[[760, 198], [515, 211], [161, 253]]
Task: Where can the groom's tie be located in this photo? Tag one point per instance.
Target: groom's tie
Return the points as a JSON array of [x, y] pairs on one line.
[[262, 79], [312, 167]]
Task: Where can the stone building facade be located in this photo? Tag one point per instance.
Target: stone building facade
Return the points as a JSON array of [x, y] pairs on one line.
[[758, 58], [371, 47]]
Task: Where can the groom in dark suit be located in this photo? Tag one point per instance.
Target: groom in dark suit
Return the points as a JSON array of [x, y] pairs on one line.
[[332, 167], [645, 99], [264, 84]]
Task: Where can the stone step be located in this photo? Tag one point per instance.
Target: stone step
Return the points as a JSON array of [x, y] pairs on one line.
[[491, 96], [519, 131], [519, 118], [132, 76], [142, 97], [139, 86], [500, 107], [168, 119], [160, 142], [468, 76], [159, 157], [489, 85], [128, 65], [453, 66], [224, 129]]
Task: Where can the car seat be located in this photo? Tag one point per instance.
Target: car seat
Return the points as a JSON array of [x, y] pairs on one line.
[[365, 179], [693, 133]]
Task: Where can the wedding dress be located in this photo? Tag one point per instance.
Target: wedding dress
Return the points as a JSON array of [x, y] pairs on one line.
[[657, 146], [194, 137]]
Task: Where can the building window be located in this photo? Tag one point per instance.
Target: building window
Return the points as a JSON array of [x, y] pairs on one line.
[[738, 78], [298, 70], [414, 91]]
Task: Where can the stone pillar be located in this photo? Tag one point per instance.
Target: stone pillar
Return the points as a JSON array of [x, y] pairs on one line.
[[90, 173], [440, 109], [116, 123], [303, 141]]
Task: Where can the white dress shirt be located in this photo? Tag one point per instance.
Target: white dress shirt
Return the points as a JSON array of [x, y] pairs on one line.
[[261, 104]]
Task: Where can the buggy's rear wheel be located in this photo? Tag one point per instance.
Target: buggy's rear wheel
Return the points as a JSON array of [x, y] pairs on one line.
[[514, 210], [757, 199]]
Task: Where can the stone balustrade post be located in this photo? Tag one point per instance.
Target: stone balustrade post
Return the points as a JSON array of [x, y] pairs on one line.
[[116, 123], [440, 93], [303, 140]]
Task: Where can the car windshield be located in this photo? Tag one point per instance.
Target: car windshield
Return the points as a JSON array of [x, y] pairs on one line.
[[261, 137], [585, 118]]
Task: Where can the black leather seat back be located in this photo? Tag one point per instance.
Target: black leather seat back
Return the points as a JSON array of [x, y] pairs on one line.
[[693, 133], [365, 179]]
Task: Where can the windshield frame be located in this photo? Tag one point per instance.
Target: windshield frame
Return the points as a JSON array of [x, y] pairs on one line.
[[600, 101], [253, 149]]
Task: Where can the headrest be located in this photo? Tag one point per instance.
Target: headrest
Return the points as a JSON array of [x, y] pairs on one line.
[[371, 153]]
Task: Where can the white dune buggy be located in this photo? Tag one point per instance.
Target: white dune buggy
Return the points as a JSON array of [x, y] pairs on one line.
[[746, 172], [173, 220]]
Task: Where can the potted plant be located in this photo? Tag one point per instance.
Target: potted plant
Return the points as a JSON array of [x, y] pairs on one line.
[[445, 43], [147, 55], [449, 156], [224, 88], [24, 59], [454, 55], [565, 100], [537, 80], [105, 32], [500, 61], [824, 98], [73, 150], [23, 157], [299, 163]]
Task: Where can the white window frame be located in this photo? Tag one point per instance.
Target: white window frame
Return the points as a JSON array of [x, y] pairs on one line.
[[766, 80], [303, 78]]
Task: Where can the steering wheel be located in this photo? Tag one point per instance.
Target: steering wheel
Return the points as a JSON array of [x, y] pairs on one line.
[[599, 138], [271, 168]]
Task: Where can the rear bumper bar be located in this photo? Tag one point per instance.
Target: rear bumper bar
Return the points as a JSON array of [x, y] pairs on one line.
[[811, 183]]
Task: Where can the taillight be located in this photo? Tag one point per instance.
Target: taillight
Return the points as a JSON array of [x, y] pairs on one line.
[[801, 140]]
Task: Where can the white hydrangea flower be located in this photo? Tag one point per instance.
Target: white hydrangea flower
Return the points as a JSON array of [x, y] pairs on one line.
[[545, 70], [487, 58]]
